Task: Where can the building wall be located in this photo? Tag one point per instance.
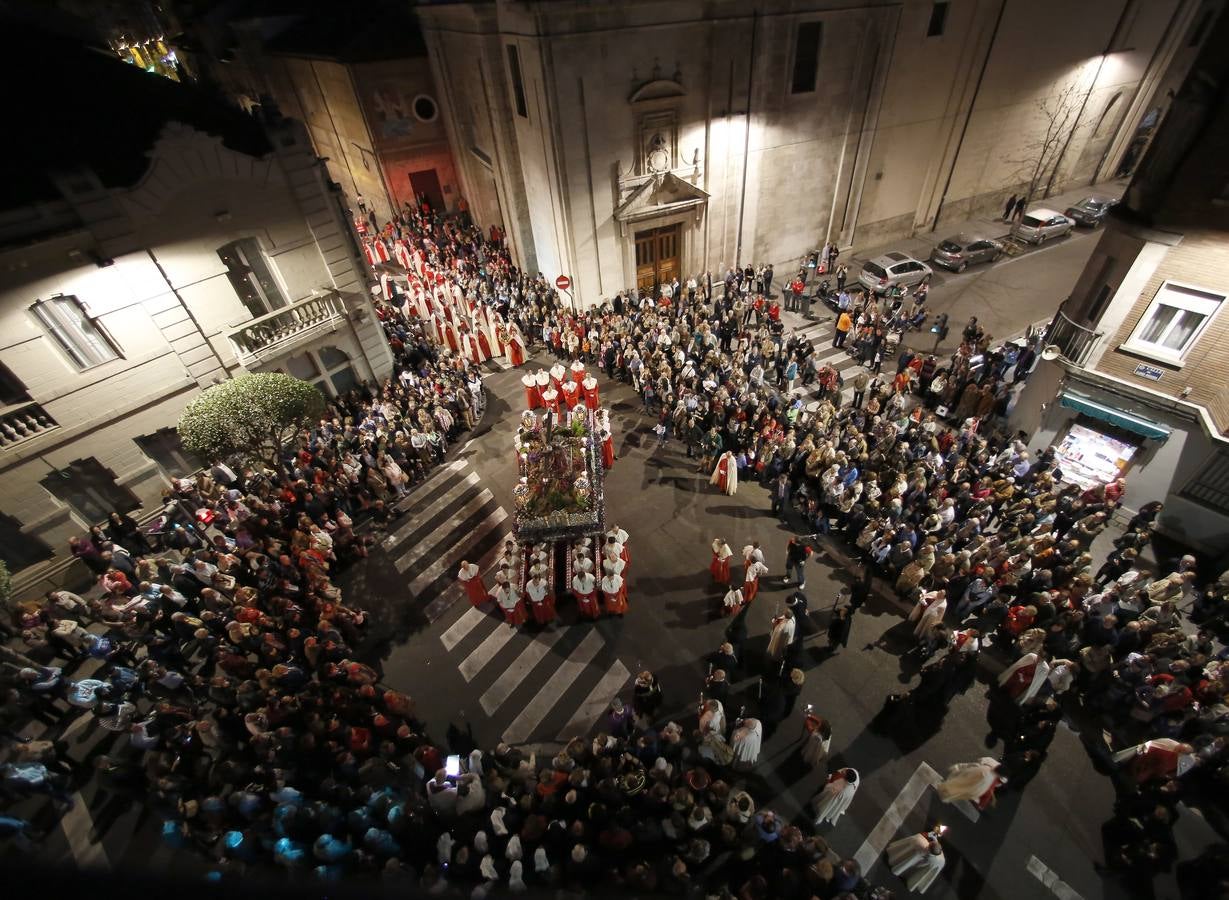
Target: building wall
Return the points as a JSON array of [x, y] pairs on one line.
[[902, 128], [166, 302]]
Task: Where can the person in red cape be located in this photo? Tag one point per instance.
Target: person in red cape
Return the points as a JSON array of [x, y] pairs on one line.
[[589, 388], [541, 601], [720, 566], [471, 578], [584, 589], [533, 399], [614, 592], [516, 346], [511, 604]]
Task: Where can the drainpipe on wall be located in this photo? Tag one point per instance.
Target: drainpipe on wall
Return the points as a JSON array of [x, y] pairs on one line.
[[742, 199]]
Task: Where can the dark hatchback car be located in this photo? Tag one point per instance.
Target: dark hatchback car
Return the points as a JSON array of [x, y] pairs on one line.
[[1090, 211]]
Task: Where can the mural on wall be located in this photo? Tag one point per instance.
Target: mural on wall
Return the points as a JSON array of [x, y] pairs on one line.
[[394, 115]]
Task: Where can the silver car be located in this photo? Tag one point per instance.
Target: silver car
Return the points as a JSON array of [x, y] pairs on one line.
[[1090, 211], [884, 272], [958, 251], [1039, 225]]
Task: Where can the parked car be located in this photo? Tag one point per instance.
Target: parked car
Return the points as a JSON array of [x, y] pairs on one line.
[[894, 268], [1039, 225], [1090, 211], [958, 251]]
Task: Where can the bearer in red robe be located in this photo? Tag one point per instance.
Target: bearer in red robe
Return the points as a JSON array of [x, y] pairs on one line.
[[533, 400], [584, 589], [511, 604], [591, 392], [720, 566], [608, 453], [471, 578], [578, 371], [541, 601]]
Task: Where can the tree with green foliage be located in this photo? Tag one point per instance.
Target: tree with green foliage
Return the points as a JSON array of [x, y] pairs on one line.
[[255, 414]]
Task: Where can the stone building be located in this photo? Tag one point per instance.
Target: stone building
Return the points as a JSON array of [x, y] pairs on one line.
[[625, 143], [1135, 380], [356, 75], [179, 244]]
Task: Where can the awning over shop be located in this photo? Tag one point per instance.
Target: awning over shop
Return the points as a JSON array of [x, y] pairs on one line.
[[1132, 423]]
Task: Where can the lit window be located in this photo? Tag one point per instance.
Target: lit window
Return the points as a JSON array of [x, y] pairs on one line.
[[1173, 322], [78, 335], [518, 87], [806, 57], [251, 277], [90, 488], [938, 19]]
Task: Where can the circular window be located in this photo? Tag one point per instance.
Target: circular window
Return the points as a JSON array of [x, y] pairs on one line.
[[425, 109]]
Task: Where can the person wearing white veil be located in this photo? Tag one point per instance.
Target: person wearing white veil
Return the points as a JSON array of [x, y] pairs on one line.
[[745, 742], [712, 718], [834, 799], [917, 858], [725, 474]]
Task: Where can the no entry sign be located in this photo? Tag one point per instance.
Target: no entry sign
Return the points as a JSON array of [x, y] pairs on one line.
[[563, 282]]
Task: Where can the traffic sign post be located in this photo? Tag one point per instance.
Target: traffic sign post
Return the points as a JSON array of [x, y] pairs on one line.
[[563, 282]]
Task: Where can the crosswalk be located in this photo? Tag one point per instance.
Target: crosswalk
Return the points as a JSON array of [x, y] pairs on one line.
[[450, 518], [540, 688]]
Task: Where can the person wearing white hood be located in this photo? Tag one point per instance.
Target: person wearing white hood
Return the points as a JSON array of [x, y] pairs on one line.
[[917, 858], [541, 864], [745, 742], [834, 799], [515, 882], [471, 795], [487, 868]]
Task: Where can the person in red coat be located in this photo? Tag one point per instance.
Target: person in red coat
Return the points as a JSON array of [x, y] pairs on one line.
[[511, 604], [589, 388], [608, 452], [533, 399], [471, 578], [584, 589]]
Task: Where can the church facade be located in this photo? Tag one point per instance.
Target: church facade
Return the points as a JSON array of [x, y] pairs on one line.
[[626, 144]]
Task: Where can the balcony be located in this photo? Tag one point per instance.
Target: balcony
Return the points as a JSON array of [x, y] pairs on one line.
[[281, 331], [1074, 341], [22, 422]]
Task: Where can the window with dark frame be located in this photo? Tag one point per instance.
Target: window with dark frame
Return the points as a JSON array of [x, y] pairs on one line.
[[518, 86], [806, 57], [12, 391], [938, 19], [166, 449], [90, 489], [1210, 486], [77, 333], [18, 549], [249, 274]]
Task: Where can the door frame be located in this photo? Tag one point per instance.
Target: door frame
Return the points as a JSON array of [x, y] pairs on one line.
[[689, 231]]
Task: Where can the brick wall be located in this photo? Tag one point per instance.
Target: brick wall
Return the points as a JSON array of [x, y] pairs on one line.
[[1200, 261]]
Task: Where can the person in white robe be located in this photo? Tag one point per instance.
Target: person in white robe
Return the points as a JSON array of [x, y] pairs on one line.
[[1024, 678], [733, 601], [834, 799], [975, 781], [712, 718], [917, 858], [930, 610], [745, 742], [782, 635], [725, 474]]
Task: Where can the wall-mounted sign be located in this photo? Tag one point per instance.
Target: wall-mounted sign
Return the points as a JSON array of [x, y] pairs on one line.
[[1152, 373]]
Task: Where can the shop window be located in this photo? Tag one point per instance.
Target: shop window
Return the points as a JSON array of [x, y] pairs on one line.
[[18, 549], [90, 489], [938, 19], [165, 448], [12, 391], [518, 86], [77, 333], [807, 40], [1173, 322], [1210, 487], [251, 276]]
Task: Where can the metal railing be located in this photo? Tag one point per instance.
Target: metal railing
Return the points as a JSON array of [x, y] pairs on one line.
[[20, 423], [1072, 339], [277, 332]]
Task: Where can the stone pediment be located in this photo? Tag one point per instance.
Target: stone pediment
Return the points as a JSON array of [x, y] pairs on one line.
[[657, 89], [660, 195]]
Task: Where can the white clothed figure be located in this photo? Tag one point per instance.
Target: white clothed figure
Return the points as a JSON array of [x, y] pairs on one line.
[[834, 799], [583, 583], [1021, 667], [733, 600], [931, 616], [713, 718], [726, 471], [745, 742], [781, 637], [618, 534], [919, 855]]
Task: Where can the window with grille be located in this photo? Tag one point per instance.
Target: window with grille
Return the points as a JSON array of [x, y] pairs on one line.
[[79, 335], [805, 75], [1210, 487], [18, 549], [90, 489], [251, 276], [165, 448]]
